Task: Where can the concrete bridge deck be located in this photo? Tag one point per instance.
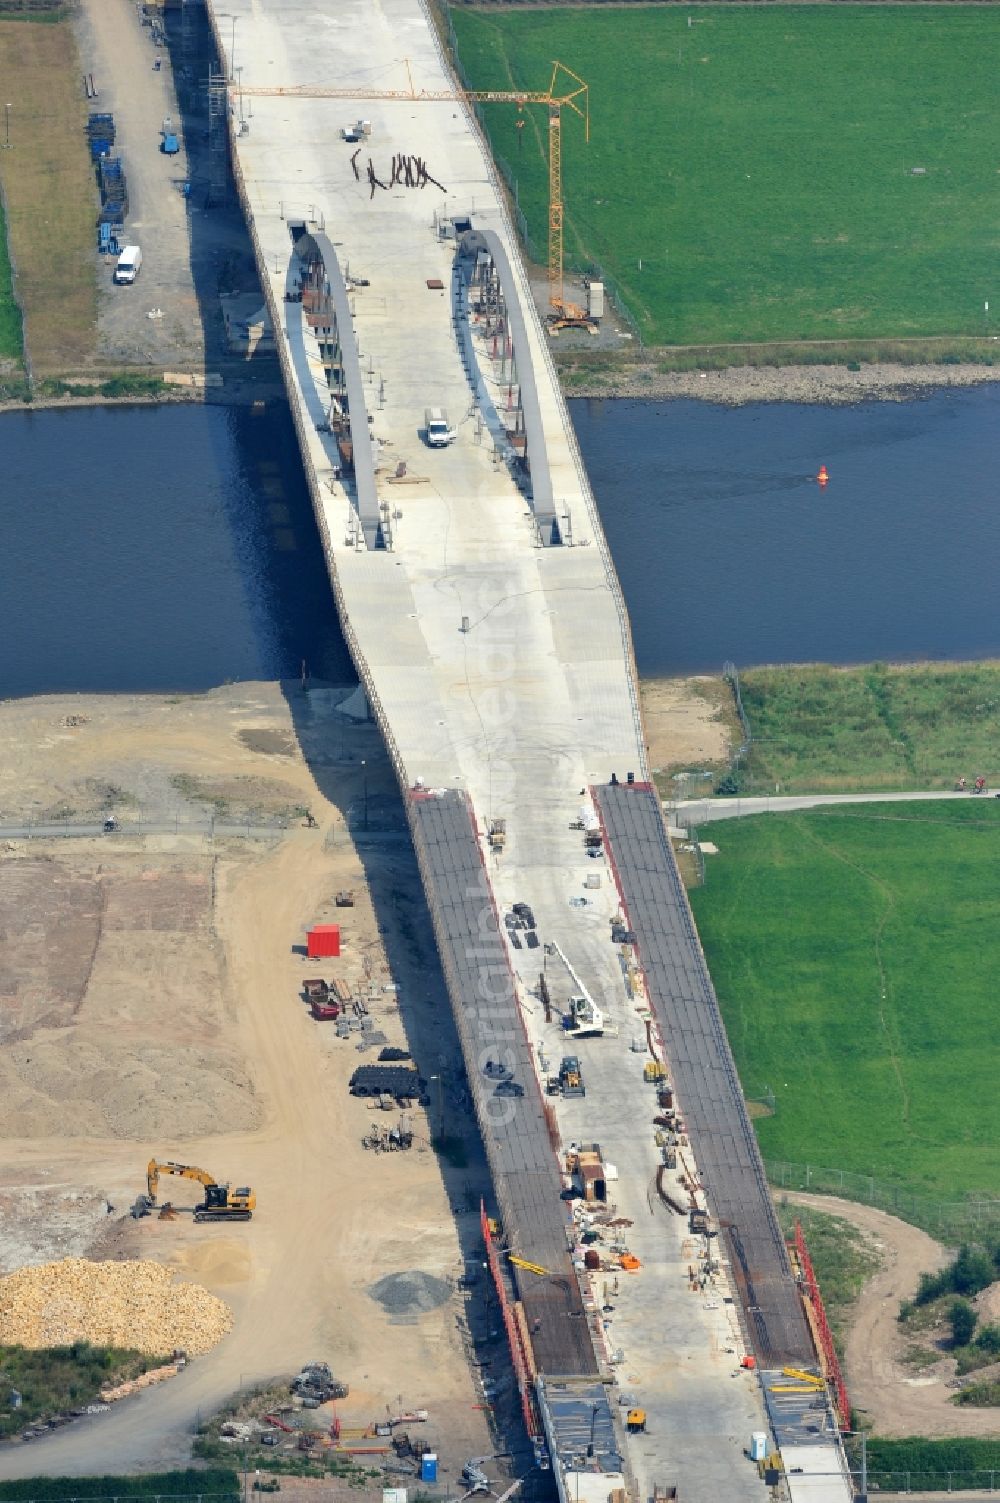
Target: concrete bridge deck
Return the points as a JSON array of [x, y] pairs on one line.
[[499, 670]]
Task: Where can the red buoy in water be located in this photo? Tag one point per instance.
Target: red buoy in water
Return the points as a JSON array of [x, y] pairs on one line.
[[823, 477]]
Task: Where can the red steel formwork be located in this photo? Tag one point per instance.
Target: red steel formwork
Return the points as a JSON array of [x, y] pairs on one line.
[[830, 1359], [522, 1359]]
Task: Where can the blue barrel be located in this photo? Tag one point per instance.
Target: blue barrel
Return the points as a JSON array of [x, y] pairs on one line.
[[429, 1467]]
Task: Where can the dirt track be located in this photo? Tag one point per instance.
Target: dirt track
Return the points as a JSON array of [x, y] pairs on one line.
[[331, 1218], [894, 1400]]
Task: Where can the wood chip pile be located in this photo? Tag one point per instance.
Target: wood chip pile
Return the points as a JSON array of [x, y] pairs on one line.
[[131, 1304]]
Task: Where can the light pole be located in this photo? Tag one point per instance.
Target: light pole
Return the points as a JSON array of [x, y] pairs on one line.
[[6, 112], [239, 72], [232, 51], [364, 774]]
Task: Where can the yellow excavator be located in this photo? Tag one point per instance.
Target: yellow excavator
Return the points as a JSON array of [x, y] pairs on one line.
[[221, 1203]]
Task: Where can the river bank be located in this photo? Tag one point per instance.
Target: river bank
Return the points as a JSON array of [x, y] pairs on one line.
[[817, 728], [736, 386], [247, 388]]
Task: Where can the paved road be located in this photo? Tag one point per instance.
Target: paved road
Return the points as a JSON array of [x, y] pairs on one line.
[[699, 811], [146, 827]]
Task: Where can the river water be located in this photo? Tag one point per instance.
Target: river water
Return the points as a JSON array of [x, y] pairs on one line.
[[727, 549], [158, 548], [174, 548]]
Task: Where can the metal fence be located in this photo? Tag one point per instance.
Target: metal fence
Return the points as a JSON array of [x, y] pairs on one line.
[[930, 1482], [951, 1220]]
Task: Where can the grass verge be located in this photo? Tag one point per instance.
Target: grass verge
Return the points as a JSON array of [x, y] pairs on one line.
[[818, 729], [56, 1381], [11, 334], [926, 1465], [854, 952], [730, 195], [51, 198], [843, 1258], [122, 386]]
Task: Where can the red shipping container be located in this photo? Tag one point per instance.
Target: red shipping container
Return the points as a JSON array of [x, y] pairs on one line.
[[324, 939]]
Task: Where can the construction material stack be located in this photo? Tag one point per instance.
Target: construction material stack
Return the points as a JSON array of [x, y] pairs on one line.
[[100, 134], [114, 191]]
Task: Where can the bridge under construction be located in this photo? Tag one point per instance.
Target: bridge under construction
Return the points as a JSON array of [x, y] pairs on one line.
[[482, 609]]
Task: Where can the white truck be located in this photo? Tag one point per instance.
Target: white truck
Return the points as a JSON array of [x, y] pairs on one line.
[[128, 266], [437, 430]]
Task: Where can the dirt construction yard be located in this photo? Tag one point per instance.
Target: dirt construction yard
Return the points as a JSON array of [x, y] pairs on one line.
[[894, 1398], [150, 1005]]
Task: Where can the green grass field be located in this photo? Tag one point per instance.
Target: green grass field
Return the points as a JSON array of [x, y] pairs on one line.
[[875, 727], [759, 162], [855, 953]]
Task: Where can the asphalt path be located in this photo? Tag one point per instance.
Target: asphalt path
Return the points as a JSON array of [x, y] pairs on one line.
[[699, 811]]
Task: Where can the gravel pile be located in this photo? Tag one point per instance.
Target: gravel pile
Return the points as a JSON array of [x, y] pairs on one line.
[[130, 1304], [410, 1293]]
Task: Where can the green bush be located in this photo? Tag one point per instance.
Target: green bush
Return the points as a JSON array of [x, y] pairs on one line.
[[220, 1483], [979, 1395], [973, 1269], [988, 1339], [930, 1287], [962, 1318]]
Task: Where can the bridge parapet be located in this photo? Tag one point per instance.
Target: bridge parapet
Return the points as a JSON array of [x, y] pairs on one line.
[[492, 295], [326, 309]]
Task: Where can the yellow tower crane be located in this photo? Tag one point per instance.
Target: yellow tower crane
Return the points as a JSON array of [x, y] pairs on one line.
[[566, 89]]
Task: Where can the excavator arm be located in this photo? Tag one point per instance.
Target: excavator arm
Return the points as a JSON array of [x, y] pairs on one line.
[[156, 1167], [221, 1203]]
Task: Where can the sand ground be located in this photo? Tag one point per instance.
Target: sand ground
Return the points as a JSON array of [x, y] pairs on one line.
[[150, 1005], [690, 722]]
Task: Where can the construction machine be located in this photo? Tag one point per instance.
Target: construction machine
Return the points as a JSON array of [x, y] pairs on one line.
[[221, 1203], [584, 1020], [315, 1385], [571, 1077]]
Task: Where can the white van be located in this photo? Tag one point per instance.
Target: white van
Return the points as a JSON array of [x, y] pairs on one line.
[[436, 429], [129, 264]]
